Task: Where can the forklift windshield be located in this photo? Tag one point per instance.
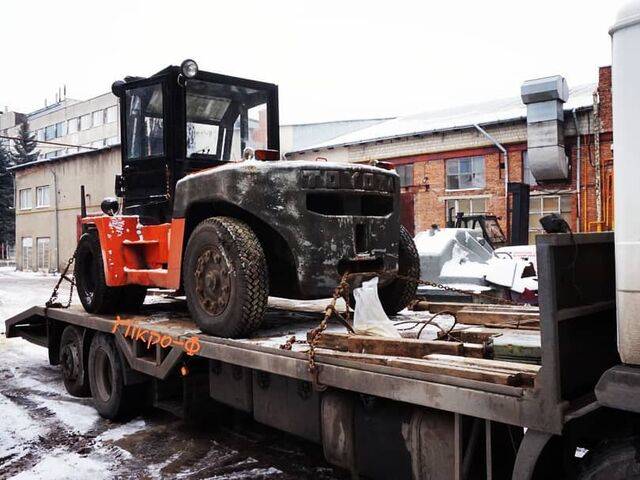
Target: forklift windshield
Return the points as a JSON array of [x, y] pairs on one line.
[[222, 120]]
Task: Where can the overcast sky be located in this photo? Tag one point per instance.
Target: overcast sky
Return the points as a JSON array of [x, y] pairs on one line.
[[332, 59]]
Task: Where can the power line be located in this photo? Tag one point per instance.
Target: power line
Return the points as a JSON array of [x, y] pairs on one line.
[[51, 143]]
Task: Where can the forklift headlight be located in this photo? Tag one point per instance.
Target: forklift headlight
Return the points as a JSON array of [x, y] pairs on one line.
[[189, 68]]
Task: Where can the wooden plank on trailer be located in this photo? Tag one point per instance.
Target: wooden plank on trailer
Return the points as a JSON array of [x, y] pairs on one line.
[[486, 363], [500, 377], [402, 347], [435, 307]]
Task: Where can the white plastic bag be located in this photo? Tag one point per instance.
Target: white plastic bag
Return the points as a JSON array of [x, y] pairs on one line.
[[369, 317]]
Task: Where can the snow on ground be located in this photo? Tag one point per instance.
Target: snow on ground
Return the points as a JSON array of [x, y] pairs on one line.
[[19, 430], [121, 431], [62, 464], [47, 434]]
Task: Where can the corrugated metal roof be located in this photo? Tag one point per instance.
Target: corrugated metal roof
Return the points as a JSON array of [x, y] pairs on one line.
[[485, 113]]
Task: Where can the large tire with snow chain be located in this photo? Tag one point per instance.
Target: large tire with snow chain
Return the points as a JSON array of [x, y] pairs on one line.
[[111, 397], [95, 295], [398, 294], [72, 361], [225, 277]]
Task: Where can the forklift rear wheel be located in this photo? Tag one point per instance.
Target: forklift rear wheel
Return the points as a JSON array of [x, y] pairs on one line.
[[400, 292], [225, 277], [95, 295], [111, 397], [74, 373]]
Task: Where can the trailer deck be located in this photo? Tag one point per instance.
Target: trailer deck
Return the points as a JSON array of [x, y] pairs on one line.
[[577, 332]]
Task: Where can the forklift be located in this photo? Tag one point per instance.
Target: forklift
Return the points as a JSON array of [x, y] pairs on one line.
[[209, 209]]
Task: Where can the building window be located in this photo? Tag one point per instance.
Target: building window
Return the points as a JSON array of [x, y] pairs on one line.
[[50, 132], [72, 125], [539, 206], [27, 253], [61, 129], [85, 122], [98, 118], [406, 174], [40, 134], [54, 154], [25, 199], [42, 252], [111, 114], [527, 176], [42, 196], [465, 173], [468, 206]]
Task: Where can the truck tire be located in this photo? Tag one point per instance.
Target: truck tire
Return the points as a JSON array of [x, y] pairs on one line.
[[95, 295], [225, 277], [72, 361], [614, 460], [396, 295], [111, 397]]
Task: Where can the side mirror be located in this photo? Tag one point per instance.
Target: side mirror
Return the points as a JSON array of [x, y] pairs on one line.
[[119, 186]]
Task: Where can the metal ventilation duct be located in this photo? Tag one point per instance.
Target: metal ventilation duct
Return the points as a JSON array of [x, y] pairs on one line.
[[544, 98]]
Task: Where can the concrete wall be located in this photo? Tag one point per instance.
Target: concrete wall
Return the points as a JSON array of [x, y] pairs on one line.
[[95, 170]]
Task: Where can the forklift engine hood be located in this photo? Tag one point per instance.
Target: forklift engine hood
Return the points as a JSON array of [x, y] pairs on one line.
[[333, 217]]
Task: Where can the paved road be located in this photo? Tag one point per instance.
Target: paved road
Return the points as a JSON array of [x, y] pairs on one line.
[[46, 433]]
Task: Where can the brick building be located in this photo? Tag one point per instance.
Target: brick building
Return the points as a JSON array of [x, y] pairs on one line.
[[453, 159]]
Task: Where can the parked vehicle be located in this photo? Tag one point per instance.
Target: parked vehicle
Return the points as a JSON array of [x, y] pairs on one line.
[[208, 208]]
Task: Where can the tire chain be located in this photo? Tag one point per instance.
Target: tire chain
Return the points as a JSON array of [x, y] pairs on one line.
[[342, 291]]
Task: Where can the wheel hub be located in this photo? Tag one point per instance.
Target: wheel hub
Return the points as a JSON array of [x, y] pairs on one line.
[[70, 360], [213, 283]]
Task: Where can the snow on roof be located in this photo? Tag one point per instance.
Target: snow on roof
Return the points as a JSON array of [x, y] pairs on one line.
[[493, 111]]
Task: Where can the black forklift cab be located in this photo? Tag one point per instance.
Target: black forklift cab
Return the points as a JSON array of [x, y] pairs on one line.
[[182, 120]]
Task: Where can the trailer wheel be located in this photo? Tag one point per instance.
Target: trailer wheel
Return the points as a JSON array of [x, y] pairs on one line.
[[225, 277], [398, 294], [615, 460], [74, 373], [111, 397], [95, 295]]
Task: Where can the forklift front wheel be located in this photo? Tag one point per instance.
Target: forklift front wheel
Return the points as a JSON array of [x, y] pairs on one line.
[[95, 295], [225, 277]]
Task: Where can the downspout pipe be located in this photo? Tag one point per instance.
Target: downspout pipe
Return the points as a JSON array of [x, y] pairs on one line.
[[55, 207], [578, 170], [504, 155]]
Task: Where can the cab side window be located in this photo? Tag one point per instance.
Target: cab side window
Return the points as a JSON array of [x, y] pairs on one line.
[[144, 122]]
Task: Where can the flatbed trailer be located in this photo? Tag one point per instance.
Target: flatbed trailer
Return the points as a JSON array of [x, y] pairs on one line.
[[380, 419]]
